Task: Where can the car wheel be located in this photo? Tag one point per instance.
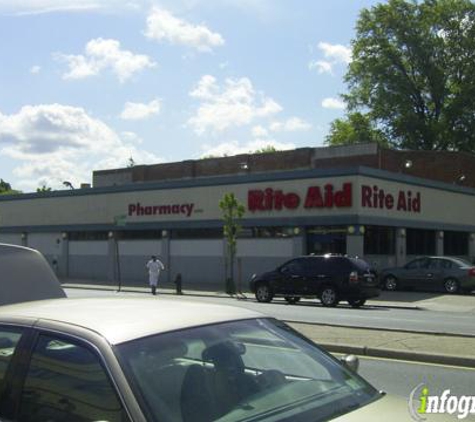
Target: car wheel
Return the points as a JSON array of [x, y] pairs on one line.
[[357, 303], [390, 283], [329, 296], [263, 293], [451, 285], [292, 299]]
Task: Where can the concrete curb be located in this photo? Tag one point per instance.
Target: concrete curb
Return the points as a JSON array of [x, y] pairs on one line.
[[463, 361], [392, 330]]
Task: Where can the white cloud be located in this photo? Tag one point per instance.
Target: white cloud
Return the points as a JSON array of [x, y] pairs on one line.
[[163, 26], [101, 54], [35, 69], [333, 103], [57, 142], [235, 148], [293, 124], [140, 111], [234, 104], [335, 54], [259, 132], [26, 7], [321, 66]]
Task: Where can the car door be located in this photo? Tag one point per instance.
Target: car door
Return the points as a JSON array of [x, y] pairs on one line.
[[293, 276], [319, 274], [11, 338], [414, 272], [434, 274], [65, 380]]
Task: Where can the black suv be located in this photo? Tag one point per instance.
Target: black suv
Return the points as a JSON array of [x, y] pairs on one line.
[[328, 277]]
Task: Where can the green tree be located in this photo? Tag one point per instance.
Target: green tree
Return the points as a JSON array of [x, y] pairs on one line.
[[354, 129], [43, 189], [412, 72], [6, 189], [232, 211], [130, 162], [269, 149]]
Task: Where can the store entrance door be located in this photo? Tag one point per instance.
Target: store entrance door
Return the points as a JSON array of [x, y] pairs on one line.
[[324, 240]]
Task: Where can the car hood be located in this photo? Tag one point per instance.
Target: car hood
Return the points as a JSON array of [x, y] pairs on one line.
[[390, 409]]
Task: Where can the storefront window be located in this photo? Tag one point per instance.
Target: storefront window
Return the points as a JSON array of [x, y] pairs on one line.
[[212, 233], [326, 239], [273, 231], [379, 240], [88, 235], [140, 234], [456, 243], [420, 242]]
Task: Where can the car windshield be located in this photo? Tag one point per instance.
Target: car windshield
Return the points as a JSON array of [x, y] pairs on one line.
[[250, 370]]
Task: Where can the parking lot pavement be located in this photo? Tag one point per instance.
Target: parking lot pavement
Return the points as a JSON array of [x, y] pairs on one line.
[[441, 349]]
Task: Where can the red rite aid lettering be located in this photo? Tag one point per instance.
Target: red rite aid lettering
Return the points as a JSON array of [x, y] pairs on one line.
[[316, 197], [374, 197]]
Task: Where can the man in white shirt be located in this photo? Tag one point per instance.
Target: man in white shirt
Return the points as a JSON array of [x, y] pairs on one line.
[[154, 267]]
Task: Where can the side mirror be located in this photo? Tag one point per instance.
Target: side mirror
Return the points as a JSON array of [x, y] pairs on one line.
[[351, 362]]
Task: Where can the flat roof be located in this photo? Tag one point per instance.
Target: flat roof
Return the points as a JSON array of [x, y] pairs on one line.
[[123, 319]]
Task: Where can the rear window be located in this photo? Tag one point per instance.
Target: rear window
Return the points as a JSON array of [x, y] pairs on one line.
[[360, 264]]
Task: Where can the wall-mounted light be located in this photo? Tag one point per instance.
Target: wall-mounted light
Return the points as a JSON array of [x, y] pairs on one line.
[[460, 179], [23, 236], [244, 166], [111, 235], [361, 229], [64, 235], [472, 236], [408, 164], [296, 231], [164, 233], [440, 234], [351, 229], [402, 232]]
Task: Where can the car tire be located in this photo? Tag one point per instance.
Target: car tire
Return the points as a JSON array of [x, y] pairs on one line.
[[390, 283], [291, 300], [329, 296], [451, 286], [357, 303], [264, 293]]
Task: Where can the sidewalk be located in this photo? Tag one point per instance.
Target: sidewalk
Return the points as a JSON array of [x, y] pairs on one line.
[[429, 348], [393, 344]]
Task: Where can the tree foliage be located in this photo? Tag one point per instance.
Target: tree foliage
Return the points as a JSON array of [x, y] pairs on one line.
[[413, 73], [269, 149], [43, 189], [232, 211], [354, 129], [6, 188]]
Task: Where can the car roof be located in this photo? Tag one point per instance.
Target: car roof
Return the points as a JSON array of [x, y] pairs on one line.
[[123, 319], [26, 275]]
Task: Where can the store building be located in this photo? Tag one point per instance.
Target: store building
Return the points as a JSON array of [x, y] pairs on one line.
[[311, 200]]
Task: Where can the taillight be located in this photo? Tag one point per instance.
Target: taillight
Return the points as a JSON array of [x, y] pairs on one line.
[[353, 277], [471, 272]]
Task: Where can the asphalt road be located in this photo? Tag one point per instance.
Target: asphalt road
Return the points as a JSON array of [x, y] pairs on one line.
[[400, 378], [311, 312]]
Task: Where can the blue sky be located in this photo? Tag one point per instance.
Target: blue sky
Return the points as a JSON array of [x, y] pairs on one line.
[[86, 85]]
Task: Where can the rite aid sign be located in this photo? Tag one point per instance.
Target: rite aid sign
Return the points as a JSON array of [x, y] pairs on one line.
[[331, 196]]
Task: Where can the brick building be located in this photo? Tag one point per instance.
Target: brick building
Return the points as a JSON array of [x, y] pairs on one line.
[[386, 206]]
